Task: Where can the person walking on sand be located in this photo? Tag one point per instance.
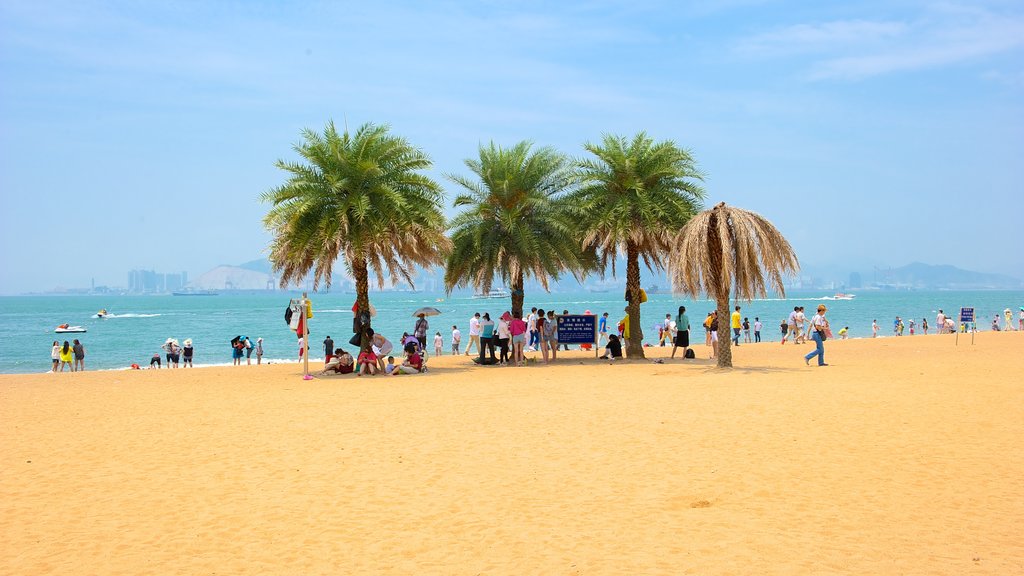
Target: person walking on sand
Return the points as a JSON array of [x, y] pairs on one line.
[[66, 356], [531, 327], [474, 333], [55, 355], [874, 328], [602, 328], [456, 339], [551, 334], [79, 351], [757, 329], [746, 330], [682, 332], [801, 320], [328, 349], [791, 326], [924, 326], [714, 334], [736, 323], [259, 350], [820, 327]]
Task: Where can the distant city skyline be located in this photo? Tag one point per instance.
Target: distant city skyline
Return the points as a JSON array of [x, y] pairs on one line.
[[872, 134]]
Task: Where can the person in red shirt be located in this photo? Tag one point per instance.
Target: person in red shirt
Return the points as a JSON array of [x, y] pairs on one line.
[[518, 329], [413, 362]]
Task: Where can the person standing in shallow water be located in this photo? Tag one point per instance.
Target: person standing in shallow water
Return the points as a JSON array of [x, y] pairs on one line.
[[819, 326]]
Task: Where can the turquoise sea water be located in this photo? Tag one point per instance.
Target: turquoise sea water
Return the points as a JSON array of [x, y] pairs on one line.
[[140, 324]]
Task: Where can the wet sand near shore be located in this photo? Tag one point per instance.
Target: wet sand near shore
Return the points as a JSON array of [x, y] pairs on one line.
[[904, 456]]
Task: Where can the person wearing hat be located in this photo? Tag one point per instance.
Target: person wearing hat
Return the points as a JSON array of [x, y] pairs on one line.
[[186, 354], [819, 327]]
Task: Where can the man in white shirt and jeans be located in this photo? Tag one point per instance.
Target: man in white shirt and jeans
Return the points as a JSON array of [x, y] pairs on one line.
[[474, 333]]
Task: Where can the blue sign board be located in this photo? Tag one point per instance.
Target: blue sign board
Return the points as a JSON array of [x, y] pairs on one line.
[[577, 329], [967, 315]]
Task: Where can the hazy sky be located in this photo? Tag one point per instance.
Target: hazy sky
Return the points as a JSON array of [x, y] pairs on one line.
[[141, 134]]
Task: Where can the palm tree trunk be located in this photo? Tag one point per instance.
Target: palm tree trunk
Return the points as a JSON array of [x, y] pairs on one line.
[[517, 295], [724, 353], [634, 344], [362, 300]]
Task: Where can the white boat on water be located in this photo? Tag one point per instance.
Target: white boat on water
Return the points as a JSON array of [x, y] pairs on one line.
[[493, 293], [841, 296], [65, 329]]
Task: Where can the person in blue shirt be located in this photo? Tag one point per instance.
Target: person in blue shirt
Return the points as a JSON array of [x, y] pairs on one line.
[[602, 329]]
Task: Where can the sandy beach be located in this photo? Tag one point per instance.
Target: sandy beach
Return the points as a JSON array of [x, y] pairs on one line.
[[905, 456]]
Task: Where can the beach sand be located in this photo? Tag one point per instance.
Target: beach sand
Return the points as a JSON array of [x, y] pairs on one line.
[[905, 456]]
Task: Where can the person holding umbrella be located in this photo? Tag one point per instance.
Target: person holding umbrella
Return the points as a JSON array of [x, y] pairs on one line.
[[420, 331]]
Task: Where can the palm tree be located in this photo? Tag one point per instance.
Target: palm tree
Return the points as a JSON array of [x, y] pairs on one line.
[[360, 197], [727, 246], [513, 225], [633, 196]]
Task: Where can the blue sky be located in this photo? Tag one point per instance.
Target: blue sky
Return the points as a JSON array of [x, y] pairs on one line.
[[140, 135]]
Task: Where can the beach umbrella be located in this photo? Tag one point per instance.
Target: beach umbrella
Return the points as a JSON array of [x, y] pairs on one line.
[[427, 311]]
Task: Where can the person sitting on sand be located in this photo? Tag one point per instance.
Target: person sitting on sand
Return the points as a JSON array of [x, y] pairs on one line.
[[613, 349], [366, 363], [340, 362], [390, 366], [413, 363]]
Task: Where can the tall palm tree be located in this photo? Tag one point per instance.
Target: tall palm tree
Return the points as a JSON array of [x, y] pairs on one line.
[[633, 196], [361, 197], [725, 247], [513, 225]]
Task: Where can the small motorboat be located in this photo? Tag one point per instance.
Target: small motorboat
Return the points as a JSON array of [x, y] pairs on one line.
[[102, 313], [64, 329], [841, 296]]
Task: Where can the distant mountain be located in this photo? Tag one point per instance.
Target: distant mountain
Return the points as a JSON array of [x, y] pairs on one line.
[[919, 275], [259, 265]]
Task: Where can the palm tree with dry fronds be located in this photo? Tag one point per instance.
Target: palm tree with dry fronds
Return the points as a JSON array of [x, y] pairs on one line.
[[361, 197], [633, 195], [727, 247]]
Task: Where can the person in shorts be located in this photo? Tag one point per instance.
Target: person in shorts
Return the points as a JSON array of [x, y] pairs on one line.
[[186, 353], [55, 355], [155, 360], [551, 334]]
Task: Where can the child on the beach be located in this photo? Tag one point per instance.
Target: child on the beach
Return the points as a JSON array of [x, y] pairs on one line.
[[438, 344], [390, 366], [456, 339], [842, 333]]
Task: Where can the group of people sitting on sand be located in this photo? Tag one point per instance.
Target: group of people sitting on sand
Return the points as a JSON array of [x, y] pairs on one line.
[[377, 360]]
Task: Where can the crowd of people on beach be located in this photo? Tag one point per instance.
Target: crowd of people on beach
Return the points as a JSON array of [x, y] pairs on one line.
[[507, 340]]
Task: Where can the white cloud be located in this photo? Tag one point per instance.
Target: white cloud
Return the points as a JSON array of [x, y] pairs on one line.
[[942, 35]]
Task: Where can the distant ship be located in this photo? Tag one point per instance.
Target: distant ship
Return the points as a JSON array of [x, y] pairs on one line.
[[494, 293], [195, 292], [597, 290]]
